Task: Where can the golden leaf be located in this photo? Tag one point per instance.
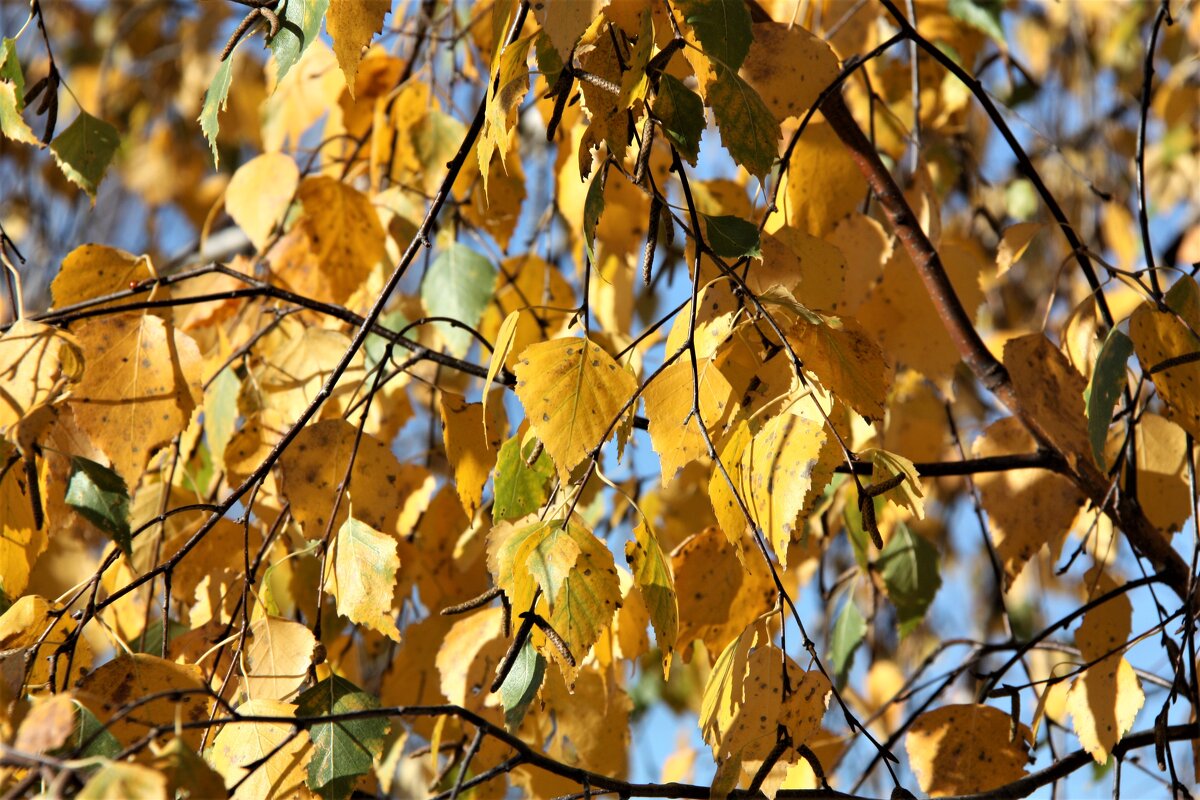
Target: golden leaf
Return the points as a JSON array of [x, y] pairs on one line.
[[37, 362], [344, 232], [468, 658], [718, 597], [388, 496], [109, 688], [847, 362], [21, 539], [788, 67], [962, 749], [1027, 508], [116, 780], [1161, 335], [823, 183], [141, 382], [94, 270], [24, 624], [1105, 698], [572, 391], [1050, 391], [1013, 243]]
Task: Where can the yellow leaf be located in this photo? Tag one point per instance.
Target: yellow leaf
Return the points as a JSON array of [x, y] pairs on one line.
[[1050, 391], [908, 494], [469, 655], [718, 597], [779, 471], [471, 451], [94, 270], [597, 53], [187, 774], [344, 232], [527, 283], [119, 781], [351, 25], [363, 576], [388, 496], [903, 320], [593, 717], [127, 677], [37, 362], [963, 749], [259, 194], [278, 658], [572, 391], [810, 268], [1027, 508], [564, 21], [847, 362], [652, 575], [503, 345], [744, 702], [823, 183], [48, 724], [1105, 698], [24, 626], [1162, 476], [675, 432], [21, 540], [788, 67], [1013, 243], [263, 759], [1159, 336], [141, 382], [866, 247], [306, 94], [717, 310]]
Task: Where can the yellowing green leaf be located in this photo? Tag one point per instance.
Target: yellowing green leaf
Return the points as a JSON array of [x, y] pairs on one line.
[[847, 362], [216, 99], [652, 575], [520, 487], [363, 576], [12, 124], [748, 129], [572, 391], [885, 466], [352, 24], [262, 759], [117, 780], [140, 384], [963, 749], [260, 192], [668, 407]]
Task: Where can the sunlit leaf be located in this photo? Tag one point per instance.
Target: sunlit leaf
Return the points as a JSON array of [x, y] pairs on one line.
[[343, 749]]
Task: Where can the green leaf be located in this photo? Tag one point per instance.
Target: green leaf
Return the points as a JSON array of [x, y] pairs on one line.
[[300, 24], [215, 100], [549, 62], [10, 70], [652, 574], [682, 114], [458, 285], [983, 15], [848, 632], [89, 738], [84, 151], [1108, 379], [593, 207], [100, 496], [520, 489], [909, 565], [723, 28], [748, 129], [341, 750], [522, 684], [732, 237]]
